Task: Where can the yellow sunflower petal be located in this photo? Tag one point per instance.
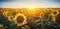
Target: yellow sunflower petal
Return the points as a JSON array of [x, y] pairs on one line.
[[10, 18], [55, 12], [18, 18]]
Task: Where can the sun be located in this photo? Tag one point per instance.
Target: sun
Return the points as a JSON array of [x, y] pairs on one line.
[[31, 7]]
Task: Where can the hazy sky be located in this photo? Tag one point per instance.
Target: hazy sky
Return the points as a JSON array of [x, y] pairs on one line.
[[27, 3]]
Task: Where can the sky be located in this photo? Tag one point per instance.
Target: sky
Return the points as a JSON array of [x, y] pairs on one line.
[[29, 3]]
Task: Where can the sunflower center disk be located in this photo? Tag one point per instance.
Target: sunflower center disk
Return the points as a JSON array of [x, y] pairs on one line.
[[55, 12], [20, 19]]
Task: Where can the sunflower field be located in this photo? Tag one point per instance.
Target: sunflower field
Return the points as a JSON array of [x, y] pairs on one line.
[[23, 18]]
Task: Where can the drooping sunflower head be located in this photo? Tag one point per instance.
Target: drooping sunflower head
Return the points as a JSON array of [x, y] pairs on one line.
[[54, 14], [20, 19]]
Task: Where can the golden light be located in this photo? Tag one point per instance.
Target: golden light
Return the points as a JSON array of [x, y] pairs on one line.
[[31, 7], [20, 19]]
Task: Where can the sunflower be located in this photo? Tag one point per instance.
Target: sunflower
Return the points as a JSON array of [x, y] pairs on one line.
[[5, 13], [20, 19], [55, 12], [53, 17], [10, 18], [41, 15]]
